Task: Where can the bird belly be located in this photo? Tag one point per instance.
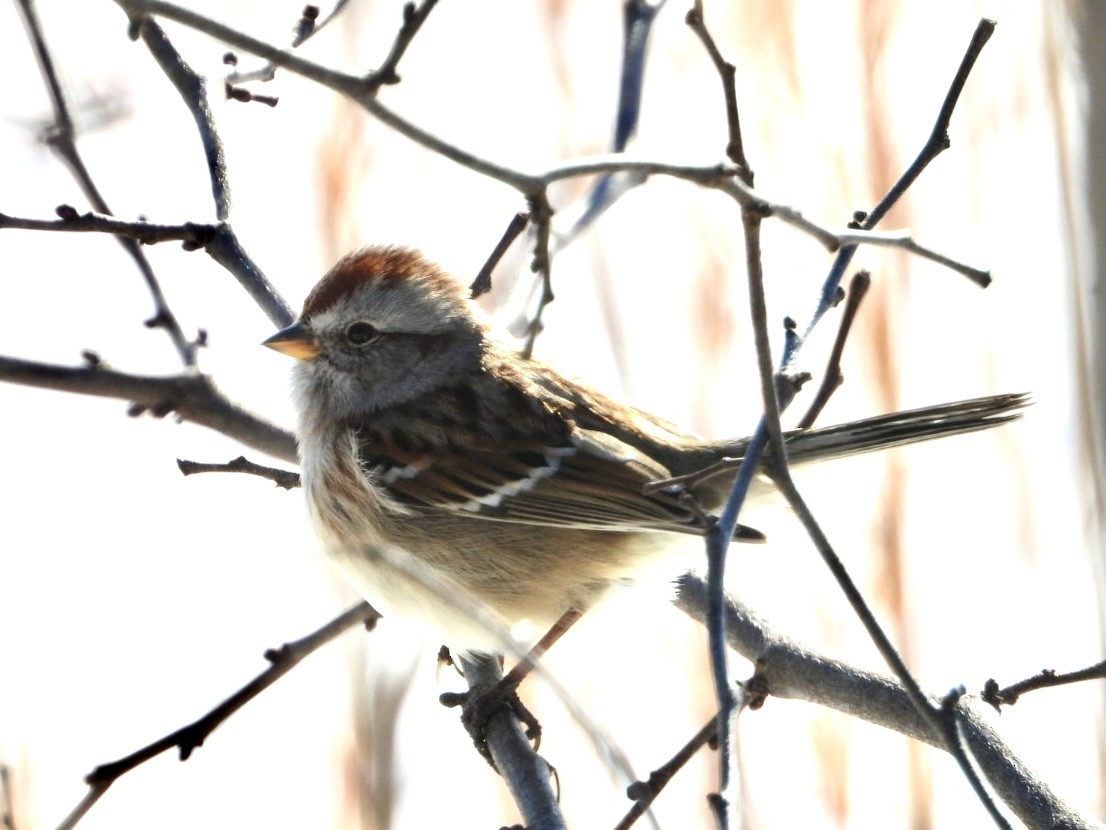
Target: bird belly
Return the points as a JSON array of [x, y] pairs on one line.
[[467, 581]]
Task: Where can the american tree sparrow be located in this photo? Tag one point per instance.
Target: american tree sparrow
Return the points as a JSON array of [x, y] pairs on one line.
[[523, 487]]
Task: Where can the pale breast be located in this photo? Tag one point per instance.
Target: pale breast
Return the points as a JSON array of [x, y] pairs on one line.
[[345, 508]]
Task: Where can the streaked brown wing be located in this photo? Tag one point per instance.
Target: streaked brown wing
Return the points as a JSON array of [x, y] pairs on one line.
[[588, 480]]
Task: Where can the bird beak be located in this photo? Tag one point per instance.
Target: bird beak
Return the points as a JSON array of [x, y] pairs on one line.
[[295, 341]]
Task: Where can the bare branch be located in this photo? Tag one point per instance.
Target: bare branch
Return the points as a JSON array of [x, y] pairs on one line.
[[192, 396], [637, 27], [63, 141], [527, 776], [1046, 679], [306, 28], [193, 91], [937, 142], [795, 672], [541, 214], [735, 147], [903, 240], [354, 88], [194, 235], [282, 478], [413, 18], [483, 282], [644, 793], [832, 377], [720, 532], [942, 719], [282, 660]]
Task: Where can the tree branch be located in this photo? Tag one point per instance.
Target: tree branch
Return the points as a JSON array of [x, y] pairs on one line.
[[285, 479], [526, 774], [282, 660], [355, 88], [795, 672], [193, 396], [1046, 679], [63, 141]]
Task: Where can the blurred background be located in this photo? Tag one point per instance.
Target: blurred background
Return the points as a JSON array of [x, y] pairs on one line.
[[133, 599]]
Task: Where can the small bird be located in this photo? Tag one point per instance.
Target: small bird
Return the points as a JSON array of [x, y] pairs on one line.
[[526, 489]]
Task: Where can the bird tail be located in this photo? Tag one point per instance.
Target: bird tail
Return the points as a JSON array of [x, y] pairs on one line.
[[712, 482], [905, 427]]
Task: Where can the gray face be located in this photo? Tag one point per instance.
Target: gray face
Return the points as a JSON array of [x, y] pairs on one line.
[[386, 341]]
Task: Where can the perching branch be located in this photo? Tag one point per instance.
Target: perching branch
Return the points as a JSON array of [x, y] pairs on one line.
[[526, 774]]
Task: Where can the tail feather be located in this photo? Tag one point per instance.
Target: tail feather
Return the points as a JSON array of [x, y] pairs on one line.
[[906, 427]]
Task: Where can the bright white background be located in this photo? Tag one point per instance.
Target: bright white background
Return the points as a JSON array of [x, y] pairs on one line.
[[133, 599]]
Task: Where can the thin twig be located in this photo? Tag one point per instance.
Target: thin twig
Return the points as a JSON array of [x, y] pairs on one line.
[[245, 96], [219, 242], [282, 660], [224, 246], [637, 27], [718, 539], [306, 27], [735, 147], [413, 18], [723, 803], [286, 479], [483, 282], [769, 433], [541, 214], [353, 87], [942, 724], [63, 141], [781, 474], [903, 240], [937, 142], [832, 377], [192, 89], [226, 249], [1046, 679], [946, 726], [644, 793], [193, 234]]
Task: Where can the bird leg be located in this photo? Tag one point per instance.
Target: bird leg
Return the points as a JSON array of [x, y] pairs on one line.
[[478, 706]]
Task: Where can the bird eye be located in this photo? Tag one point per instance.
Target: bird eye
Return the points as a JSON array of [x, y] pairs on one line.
[[360, 333]]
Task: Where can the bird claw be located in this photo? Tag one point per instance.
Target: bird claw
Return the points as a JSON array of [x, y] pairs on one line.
[[479, 706]]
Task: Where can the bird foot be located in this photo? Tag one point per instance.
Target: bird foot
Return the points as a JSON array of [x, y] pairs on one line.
[[479, 706]]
